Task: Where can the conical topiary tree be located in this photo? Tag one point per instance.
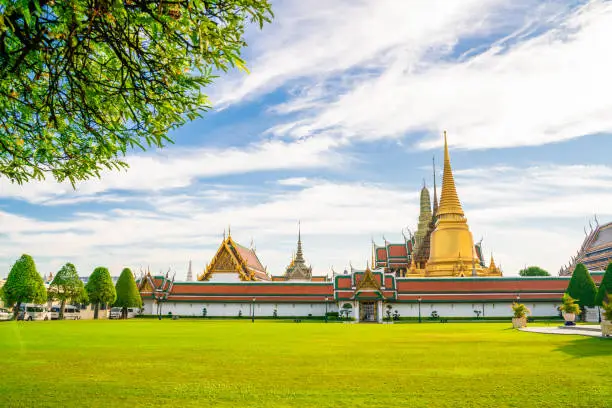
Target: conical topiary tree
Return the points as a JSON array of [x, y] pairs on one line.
[[605, 286], [127, 292], [100, 289], [23, 284], [66, 286], [581, 286]]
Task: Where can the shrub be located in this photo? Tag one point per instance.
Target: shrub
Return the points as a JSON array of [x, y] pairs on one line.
[[581, 286], [520, 310], [607, 309], [23, 284], [569, 305], [127, 292], [605, 286]]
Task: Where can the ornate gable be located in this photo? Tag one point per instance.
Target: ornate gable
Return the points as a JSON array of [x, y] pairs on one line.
[[225, 261], [368, 282], [234, 258]]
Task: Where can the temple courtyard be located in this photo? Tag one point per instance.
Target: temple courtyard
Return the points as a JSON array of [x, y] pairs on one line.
[[146, 362]]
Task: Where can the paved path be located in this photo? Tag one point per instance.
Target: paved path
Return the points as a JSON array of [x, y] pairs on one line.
[[586, 330]]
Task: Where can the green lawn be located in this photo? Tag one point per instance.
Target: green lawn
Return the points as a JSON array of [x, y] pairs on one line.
[[269, 364]]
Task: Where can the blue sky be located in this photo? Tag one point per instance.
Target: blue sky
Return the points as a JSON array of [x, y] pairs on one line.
[[336, 125]]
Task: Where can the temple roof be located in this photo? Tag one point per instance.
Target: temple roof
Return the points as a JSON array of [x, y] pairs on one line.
[[250, 257], [232, 257], [596, 250], [297, 269]]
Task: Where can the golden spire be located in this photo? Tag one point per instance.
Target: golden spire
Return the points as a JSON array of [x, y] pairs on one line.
[[449, 200], [492, 264], [435, 196]]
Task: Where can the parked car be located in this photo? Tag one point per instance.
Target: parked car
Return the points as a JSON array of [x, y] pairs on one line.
[[115, 312], [70, 312], [30, 311], [5, 314]]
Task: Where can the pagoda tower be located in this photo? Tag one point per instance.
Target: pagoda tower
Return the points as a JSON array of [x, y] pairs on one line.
[[421, 254], [297, 269], [424, 217], [452, 251], [189, 273]]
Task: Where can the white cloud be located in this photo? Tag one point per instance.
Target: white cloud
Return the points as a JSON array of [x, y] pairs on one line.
[[321, 38], [385, 72], [527, 216], [176, 168]]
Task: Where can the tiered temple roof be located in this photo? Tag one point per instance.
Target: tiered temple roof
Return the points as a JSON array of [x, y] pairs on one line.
[[298, 269], [233, 258], [595, 252]]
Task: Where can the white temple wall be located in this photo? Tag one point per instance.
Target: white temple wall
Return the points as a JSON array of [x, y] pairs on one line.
[[232, 309], [496, 309]]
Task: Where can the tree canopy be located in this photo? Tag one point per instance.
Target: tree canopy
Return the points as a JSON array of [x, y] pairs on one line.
[[533, 271], [581, 286], [100, 288], [127, 291], [66, 286], [605, 287], [23, 284], [84, 81]]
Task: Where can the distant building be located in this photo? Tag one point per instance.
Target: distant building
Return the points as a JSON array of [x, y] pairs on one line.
[[2, 282], [595, 252]]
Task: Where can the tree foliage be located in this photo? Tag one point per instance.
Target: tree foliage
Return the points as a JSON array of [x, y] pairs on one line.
[[533, 271], [23, 284], [83, 81], [569, 305], [67, 287], [581, 286], [127, 292], [605, 287], [100, 288]]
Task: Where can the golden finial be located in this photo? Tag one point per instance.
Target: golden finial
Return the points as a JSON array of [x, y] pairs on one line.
[[229, 231], [449, 200]]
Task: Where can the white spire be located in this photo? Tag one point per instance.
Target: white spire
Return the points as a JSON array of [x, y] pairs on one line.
[[189, 273]]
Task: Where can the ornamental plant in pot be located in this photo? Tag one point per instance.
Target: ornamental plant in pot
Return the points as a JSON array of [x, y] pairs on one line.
[[569, 309], [520, 315], [606, 321]]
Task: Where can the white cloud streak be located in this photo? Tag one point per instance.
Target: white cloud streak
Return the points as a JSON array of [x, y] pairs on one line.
[[545, 81], [532, 216]]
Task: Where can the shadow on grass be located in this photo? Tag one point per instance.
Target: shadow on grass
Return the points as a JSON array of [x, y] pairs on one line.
[[588, 347]]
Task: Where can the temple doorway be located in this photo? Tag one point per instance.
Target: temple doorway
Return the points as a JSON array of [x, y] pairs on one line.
[[368, 312]]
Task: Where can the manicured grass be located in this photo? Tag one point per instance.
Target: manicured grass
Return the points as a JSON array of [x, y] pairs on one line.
[[196, 363]]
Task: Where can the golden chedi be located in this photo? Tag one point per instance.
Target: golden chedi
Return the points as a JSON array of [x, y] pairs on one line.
[[452, 250]]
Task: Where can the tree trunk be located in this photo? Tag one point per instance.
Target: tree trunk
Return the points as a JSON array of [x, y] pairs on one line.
[[61, 312], [96, 308], [124, 312], [16, 310]]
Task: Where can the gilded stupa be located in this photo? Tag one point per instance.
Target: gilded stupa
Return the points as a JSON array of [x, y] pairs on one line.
[[443, 244], [452, 251]]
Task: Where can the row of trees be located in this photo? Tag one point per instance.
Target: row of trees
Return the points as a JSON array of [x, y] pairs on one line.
[[25, 285], [582, 287]]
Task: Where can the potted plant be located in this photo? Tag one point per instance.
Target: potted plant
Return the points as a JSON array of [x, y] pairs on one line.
[[606, 321], [569, 309], [520, 315]]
